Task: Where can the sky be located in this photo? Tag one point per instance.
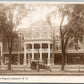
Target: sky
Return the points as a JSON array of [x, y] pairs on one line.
[[40, 13]]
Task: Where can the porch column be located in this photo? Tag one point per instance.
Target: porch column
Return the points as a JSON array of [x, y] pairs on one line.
[[18, 58], [25, 54], [52, 60], [29, 61], [32, 51], [48, 54], [53, 53], [40, 52], [1, 54]]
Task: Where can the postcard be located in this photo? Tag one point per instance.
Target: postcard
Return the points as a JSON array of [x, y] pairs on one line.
[[41, 42]]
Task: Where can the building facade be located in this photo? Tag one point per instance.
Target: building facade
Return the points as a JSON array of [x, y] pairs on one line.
[[35, 44]]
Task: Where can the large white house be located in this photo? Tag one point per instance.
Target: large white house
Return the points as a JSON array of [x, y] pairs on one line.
[[35, 43]]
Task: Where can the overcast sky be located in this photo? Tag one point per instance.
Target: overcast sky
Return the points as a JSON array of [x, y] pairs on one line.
[[40, 13]]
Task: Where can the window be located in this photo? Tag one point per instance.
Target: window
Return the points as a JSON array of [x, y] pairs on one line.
[[28, 46], [56, 47], [36, 46], [21, 59], [57, 59], [14, 59], [75, 59], [44, 45]]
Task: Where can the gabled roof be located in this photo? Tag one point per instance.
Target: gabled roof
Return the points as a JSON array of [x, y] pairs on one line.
[[40, 23], [39, 29]]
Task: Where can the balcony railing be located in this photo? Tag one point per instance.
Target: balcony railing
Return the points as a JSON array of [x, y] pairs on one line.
[[28, 50]]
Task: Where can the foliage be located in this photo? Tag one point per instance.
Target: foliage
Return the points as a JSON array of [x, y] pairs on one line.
[[75, 26], [71, 33], [10, 17]]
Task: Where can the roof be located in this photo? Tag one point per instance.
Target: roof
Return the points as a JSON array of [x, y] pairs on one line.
[[39, 29]]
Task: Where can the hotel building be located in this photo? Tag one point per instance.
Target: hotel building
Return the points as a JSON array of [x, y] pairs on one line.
[[35, 43]]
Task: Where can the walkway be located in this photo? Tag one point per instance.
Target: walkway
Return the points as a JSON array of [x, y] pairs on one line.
[[42, 73]]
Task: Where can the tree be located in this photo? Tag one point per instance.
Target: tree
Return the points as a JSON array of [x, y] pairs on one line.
[[64, 11], [53, 40], [76, 24], [10, 17], [73, 32]]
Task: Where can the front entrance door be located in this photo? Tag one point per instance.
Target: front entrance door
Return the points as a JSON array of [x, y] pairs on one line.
[[45, 56]]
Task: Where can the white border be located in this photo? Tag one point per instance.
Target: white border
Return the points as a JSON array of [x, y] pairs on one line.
[[41, 2], [43, 79]]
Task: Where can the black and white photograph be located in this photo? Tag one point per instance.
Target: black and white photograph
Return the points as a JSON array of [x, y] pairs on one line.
[[41, 39]]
